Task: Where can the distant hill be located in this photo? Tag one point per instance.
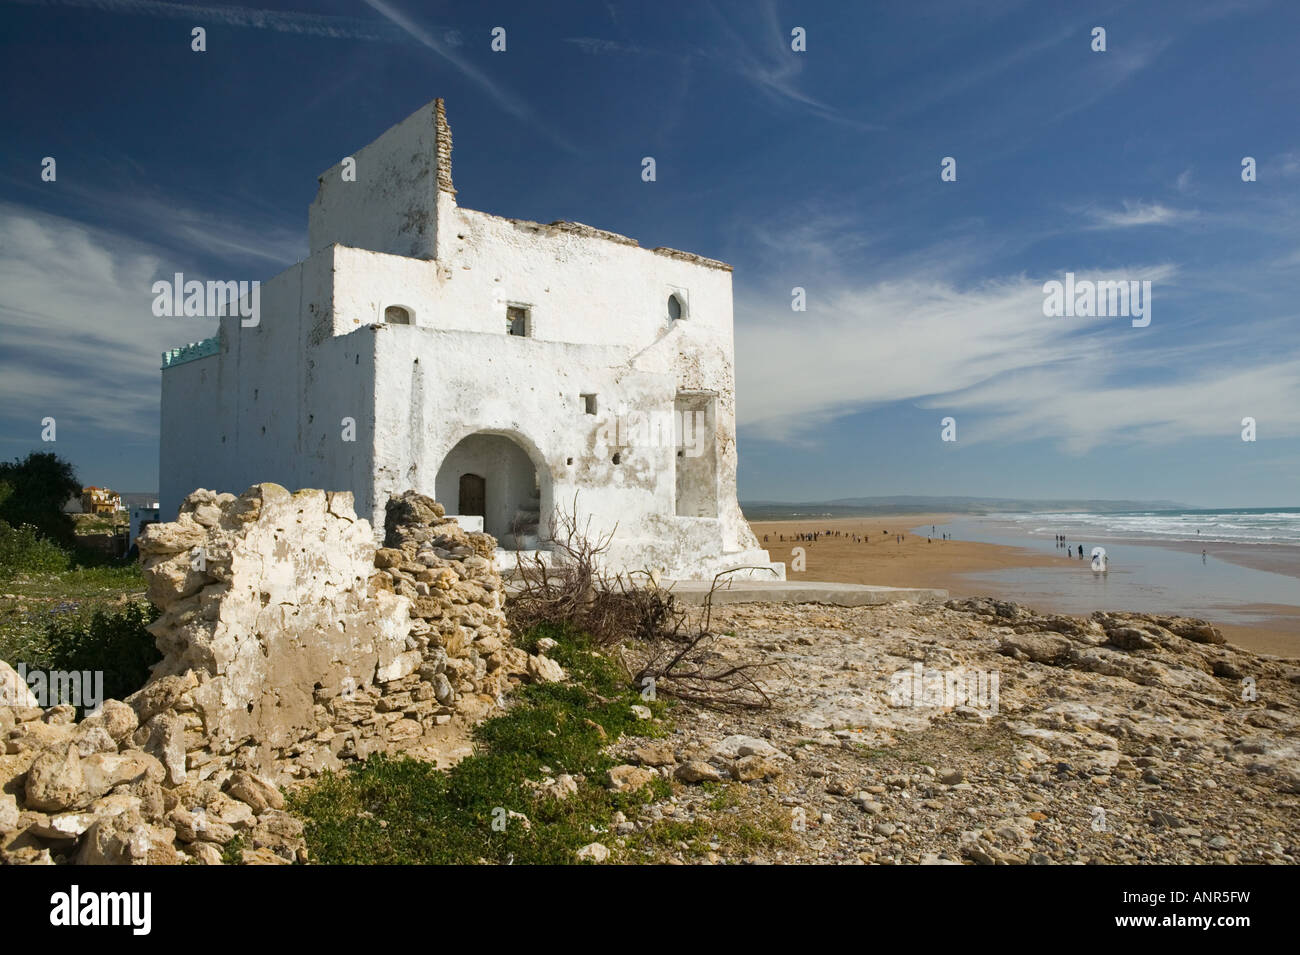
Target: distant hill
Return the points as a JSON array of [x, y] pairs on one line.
[[917, 504]]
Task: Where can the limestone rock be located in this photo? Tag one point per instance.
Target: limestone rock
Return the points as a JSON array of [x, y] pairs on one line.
[[204, 853], [1039, 647], [697, 771], [117, 718], [593, 852], [262, 857], [8, 812], [93, 739], [166, 742], [259, 793], [542, 669], [627, 778], [13, 770], [14, 691], [104, 771], [56, 782], [125, 839], [752, 767], [658, 753]]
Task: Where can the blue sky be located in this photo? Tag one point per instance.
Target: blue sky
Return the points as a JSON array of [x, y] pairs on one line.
[[818, 169]]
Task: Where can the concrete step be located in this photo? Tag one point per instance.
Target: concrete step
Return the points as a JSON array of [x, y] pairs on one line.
[[694, 592]]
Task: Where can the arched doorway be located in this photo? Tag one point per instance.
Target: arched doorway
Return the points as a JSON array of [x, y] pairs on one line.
[[492, 475]]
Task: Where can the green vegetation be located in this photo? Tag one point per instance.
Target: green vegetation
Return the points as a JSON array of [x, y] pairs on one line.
[[408, 812], [22, 551], [65, 607], [232, 853], [114, 642], [100, 523], [34, 608], [734, 833], [34, 490]]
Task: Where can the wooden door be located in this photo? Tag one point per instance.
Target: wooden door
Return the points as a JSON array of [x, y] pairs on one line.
[[472, 495]]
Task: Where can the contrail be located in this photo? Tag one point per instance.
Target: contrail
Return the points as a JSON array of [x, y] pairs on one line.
[[307, 24], [504, 99]]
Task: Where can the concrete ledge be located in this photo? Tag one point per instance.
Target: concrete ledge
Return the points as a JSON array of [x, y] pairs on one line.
[[693, 593]]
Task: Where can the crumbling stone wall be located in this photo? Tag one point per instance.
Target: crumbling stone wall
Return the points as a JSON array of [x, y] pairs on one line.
[[290, 643], [265, 603]]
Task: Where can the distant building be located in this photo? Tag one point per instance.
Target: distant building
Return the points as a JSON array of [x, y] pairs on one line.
[[100, 500]]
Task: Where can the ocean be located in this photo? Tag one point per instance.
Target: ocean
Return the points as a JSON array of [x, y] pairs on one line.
[[1257, 525], [1229, 565]]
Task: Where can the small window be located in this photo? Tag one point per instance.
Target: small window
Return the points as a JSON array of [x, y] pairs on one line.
[[517, 321], [397, 315], [676, 307], [588, 403]]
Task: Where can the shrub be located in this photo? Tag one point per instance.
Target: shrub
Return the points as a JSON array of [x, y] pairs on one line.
[[35, 490], [22, 551], [114, 641]]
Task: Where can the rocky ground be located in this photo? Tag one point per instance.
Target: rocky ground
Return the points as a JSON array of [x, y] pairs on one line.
[[1121, 738]]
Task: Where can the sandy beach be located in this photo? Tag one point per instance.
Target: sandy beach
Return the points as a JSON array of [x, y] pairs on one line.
[[920, 562]]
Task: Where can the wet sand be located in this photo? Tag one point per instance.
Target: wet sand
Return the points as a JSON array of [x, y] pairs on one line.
[[938, 563]]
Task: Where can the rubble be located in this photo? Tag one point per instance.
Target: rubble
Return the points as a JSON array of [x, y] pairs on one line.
[[1116, 738], [291, 644]]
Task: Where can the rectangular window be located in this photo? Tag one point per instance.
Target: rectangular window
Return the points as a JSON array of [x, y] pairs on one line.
[[517, 321], [588, 403]]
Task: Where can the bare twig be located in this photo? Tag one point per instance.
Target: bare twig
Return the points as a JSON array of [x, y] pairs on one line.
[[651, 631]]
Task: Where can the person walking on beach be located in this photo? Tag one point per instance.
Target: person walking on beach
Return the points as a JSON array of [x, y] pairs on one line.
[[1080, 552], [1202, 555]]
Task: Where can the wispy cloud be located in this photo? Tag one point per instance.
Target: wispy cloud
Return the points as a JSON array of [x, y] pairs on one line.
[[245, 234], [1135, 213], [1118, 404], [81, 341], [985, 350]]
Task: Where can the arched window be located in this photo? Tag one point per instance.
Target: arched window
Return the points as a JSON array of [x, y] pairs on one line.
[[397, 315], [676, 306]]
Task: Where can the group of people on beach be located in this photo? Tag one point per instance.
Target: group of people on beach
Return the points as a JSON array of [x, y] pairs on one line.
[[813, 536], [1069, 548]]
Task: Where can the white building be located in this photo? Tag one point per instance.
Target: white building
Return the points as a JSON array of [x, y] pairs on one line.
[[142, 515], [506, 368]]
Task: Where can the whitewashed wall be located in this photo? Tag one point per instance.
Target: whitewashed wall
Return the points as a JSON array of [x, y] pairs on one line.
[[269, 406]]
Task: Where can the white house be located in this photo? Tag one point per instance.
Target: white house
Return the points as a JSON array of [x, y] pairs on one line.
[[506, 368]]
